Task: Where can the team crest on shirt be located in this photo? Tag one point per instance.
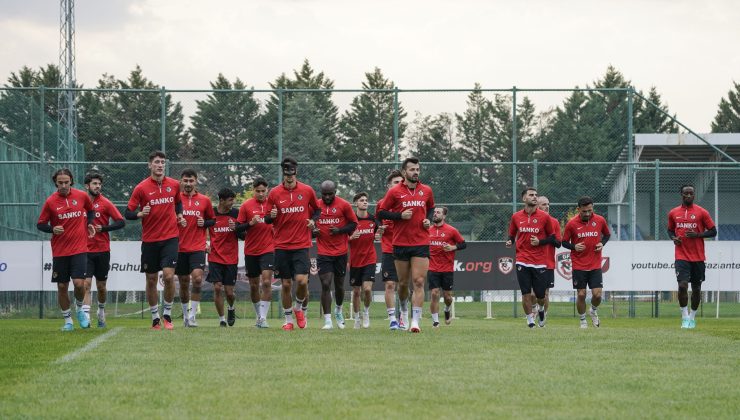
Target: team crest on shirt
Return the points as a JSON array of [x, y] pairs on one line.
[[534, 220], [593, 224], [564, 265], [334, 210], [505, 265], [442, 235], [300, 196], [168, 189], [96, 205], [692, 217], [74, 202], [421, 193], [197, 203]]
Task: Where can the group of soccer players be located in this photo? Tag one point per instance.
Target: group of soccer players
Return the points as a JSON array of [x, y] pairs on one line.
[[180, 226]]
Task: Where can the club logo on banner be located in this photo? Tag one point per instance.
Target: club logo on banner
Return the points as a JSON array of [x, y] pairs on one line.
[[563, 265], [505, 265]]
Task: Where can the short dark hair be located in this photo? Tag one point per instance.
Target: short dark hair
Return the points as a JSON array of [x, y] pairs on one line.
[[226, 193], [359, 195], [156, 154], [394, 174], [584, 201], [524, 191], [63, 171], [189, 172], [259, 181], [444, 210], [411, 159], [92, 175], [687, 185]]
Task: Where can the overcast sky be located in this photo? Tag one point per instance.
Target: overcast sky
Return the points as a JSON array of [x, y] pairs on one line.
[[687, 49]]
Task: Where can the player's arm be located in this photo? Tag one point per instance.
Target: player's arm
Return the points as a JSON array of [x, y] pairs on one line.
[[118, 222], [352, 221], [708, 233], [44, 218], [131, 212], [210, 216], [512, 233], [566, 239]]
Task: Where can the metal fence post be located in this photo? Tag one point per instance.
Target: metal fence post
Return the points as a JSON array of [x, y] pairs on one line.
[[163, 124], [42, 151], [513, 149], [656, 235], [280, 133], [534, 173], [630, 167], [515, 302], [396, 157]]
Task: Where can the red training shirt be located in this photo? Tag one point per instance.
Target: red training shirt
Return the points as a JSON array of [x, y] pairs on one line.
[[441, 261], [224, 242], [70, 212], [684, 219], [589, 233], [260, 238], [409, 232], [550, 249], [295, 207], [362, 249], [522, 227], [104, 211], [161, 223], [193, 237], [386, 241], [337, 214]]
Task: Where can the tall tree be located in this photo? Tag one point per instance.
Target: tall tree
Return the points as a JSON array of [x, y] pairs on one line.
[[648, 118], [727, 119]]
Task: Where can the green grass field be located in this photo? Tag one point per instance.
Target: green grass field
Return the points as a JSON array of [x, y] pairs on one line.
[[475, 368]]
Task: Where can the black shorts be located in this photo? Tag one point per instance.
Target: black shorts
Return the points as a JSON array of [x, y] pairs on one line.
[[690, 271], [590, 278], [98, 265], [256, 264], [69, 267], [530, 279], [158, 255], [189, 261], [550, 277], [359, 275], [332, 264], [388, 267], [291, 262], [222, 273], [405, 253], [437, 280]]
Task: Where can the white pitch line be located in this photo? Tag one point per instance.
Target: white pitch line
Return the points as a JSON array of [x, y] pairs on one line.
[[89, 346]]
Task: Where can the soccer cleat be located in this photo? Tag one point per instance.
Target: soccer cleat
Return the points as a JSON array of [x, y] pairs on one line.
[[541, 319], [448, 317], [262, 323], [415, 327], [435, 324], [530, 324], [186, 322], [167, 322], [231, 317], [366, 321], [394, 326], [83, 319], [340, 320], [584, 324], [685, 322], [223, 324], [692, 324], [594, 317], [156, 324], [403, 319], [192, 323], [358, 323], [288, 326], [327, 325], [68, 327], [300, 318], [101, 323]]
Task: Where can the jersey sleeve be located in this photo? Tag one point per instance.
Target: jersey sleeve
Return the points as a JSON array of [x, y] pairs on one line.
[[388, 202], [349, 214], [605, 228], [135, 201], [671, 223], [556, 229], [178, 199], [242, 214], [210, 214], [88, 206], [512, 228], [707, 221], [457, 237], [566, 233], [430, 200], [113, 212], [45, 215]]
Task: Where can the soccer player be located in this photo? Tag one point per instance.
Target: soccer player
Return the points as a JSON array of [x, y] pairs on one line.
[[68, 215], [197, 210], [585, 235], [410, 205], [297, 209], [388, 265], [223, 256], [259, 247], [543, 203], [362, 259], [333, 227], [98, 247], [444, 241], [532, 230], [688, 225], [156, 201]]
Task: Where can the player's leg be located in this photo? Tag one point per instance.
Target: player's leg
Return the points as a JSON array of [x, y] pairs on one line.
[[539, 286], [339, 267], [60, 276], [301, 265], [403, 271], [218, 300], [447, 283], [356, 292], [266, 269], [367, 298], [230, 300], [434, 303], [168, 262], [197, 264], [182, 271], [683, 275], [390, 277], [523, 277], [419, 269]]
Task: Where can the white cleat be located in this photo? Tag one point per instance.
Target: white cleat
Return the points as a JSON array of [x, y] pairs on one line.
[[366, 321], [584, 324], [403, 320], [415, 327], [594, 318], [358, 323], [328, 325]]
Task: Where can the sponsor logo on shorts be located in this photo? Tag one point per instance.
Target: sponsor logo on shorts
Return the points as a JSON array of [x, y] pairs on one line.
[[505, 265]]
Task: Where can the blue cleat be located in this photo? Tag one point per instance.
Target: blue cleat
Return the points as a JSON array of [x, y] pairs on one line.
[[68, 327], [692, 324], [394, 325], [101, 323], [83, 319], [684, 323]]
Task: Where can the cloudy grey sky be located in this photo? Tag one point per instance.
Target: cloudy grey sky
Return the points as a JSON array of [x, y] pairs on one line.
[[687, 49]]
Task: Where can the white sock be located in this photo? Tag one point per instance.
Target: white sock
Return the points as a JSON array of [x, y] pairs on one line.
[[593, 308], [78, 304], [448, 308], [435, 317], [184, 310], [692, 315], [357, 315], [288, 315], [684, 312], [338, 309], [530, 319], [155, 312], [231, 308], [366, 310], [327, 318], [101, 310], [167, 309], [222, 318], [583, 317], [265, 307], [416, 313], [86, 309], [67, 316], [391, 314], [193, 308], [404, 305]]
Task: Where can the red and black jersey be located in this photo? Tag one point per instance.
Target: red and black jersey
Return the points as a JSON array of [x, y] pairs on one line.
[[441, 261], [260, 238], [589, 233], [386, 241], [70, 212], [523, 226], [362, 249], [295, 207], [400, 197], [684, 219], [193, 237], [224, 242], [549, 248], [161, 223], [104, 211], [337, 214]]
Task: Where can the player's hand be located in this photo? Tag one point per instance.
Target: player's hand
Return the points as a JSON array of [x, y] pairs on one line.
[[378, 236], [599, 247], [181, 221], [232, 224], [90, 231], [98, 228], [315, 231], [534, 240], [381, 229], [58, 230], [580, 247], [449, 248], [426, 223], [208, 247], [200, 222], [333, 230], [692, 234], [355, 235], [273, 212], [406, 214], [676, 240], [310, 223], [508, 243], [256, 219], [145, 211]]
